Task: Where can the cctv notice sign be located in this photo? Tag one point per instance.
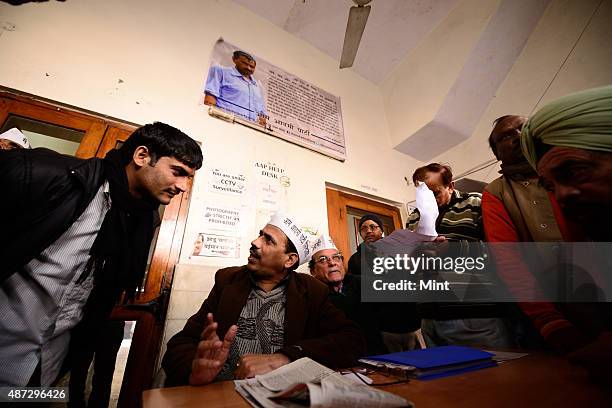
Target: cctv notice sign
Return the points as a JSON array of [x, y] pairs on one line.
[[227, 181], [274, 101]]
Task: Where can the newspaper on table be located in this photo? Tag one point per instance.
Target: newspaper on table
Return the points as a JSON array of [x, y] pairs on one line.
[[305, 382]]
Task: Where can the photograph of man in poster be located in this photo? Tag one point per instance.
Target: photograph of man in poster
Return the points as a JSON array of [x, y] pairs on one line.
[[234, 89]]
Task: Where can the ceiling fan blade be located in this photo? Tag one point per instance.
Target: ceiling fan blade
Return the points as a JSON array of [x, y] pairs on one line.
[[358, 16]]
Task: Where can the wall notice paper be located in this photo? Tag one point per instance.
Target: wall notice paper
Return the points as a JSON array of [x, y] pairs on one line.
[[272, 183], [228, 182], [269, 196], [222, 218], [216, 246], [276, 102], [305, 382]]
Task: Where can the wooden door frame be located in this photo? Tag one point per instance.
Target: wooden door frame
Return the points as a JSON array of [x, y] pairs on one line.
[[93, 124], [337, 203]]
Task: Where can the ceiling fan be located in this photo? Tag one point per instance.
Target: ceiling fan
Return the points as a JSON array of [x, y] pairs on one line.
[[358, 16]]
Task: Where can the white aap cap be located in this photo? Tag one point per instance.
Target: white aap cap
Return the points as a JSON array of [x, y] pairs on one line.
[[15, 135], [322, 242], [294, 233]]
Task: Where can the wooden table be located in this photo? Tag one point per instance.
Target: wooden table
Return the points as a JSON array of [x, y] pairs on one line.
[[537, 380]]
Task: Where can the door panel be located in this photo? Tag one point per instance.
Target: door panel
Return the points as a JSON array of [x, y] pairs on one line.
[[13, 107], [343, 207], [113, 138]]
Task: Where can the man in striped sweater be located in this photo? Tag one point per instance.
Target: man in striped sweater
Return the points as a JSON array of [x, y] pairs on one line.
[[459, 220]]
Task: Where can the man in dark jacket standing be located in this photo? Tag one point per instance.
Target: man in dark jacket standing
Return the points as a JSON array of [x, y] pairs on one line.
[[261, 316], [370, 229], [78, 235], [397, 320]]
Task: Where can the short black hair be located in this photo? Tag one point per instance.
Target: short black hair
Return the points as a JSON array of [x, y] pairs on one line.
[[290, 247], [243, 54], [445, 172], [163, 140], [495, 122], [311, 264]]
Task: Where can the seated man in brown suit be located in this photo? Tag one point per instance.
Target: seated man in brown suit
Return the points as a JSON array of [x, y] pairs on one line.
[[261, 316]]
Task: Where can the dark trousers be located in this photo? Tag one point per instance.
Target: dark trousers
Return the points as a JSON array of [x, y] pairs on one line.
[[103, 342]]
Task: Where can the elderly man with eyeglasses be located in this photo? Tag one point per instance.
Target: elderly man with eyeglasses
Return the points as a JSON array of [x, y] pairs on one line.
[[327, 265]]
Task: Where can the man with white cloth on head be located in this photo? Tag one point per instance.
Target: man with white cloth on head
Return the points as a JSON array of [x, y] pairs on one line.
[[261, 316]]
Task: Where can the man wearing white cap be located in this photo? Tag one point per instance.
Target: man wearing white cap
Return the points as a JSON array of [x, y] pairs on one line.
[[261, 316], [326, 263], [327, 266], [13, 139]]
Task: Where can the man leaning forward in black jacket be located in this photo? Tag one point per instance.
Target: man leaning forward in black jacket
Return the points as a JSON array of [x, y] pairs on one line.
[[75, 236]]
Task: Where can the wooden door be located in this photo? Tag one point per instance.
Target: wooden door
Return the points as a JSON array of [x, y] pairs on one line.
[[85, 135], [339, 207]]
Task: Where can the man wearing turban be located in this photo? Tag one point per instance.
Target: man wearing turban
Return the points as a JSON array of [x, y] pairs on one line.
[[569, 143]]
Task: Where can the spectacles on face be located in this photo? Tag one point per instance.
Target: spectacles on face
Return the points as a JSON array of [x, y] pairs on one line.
[[507, 135], [324, 259], [366, 228]]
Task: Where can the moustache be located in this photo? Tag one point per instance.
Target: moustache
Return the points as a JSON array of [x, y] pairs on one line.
[[253, 252]]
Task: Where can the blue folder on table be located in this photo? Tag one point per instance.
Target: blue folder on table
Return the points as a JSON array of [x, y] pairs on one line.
[[438, 362]]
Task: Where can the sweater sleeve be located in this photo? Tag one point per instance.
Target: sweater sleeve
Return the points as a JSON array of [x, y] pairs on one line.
[[545, 317]]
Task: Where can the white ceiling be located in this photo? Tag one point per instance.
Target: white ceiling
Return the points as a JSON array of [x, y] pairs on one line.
[[399, 24], [393, 29]]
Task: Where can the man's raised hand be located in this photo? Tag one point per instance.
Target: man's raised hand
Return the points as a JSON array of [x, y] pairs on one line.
[[211, 353]]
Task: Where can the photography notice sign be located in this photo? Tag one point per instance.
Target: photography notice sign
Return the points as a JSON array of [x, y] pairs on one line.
[[221, 218], [282, 104]]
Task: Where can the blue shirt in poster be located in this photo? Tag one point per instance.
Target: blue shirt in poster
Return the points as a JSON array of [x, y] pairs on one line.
[[234, 93]]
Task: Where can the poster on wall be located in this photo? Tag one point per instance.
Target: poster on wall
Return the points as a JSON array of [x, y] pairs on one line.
[[282, 104], [220, 246]]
